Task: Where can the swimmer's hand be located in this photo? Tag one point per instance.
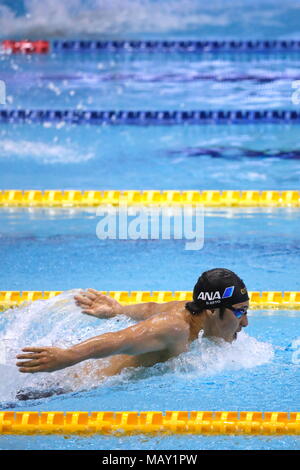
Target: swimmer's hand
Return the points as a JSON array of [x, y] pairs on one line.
[[98, 305], [44, 359]]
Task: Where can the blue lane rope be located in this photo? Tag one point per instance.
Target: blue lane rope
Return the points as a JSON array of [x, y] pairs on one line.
[[151, 117], [178, 46]]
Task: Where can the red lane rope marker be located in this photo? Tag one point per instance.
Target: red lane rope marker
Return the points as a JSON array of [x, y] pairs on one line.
[[26, 47], [203, 47]]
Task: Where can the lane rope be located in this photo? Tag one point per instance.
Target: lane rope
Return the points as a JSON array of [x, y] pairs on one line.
[[132, 422], [153, 198], [148, 117], [186, 46], [258, 300]]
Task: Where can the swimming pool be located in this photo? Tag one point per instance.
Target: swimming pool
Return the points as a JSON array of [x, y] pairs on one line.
[[57, 249], [207, 377]]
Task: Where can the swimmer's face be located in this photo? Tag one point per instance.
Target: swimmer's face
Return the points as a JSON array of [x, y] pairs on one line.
[[227, 327], [233, 324]]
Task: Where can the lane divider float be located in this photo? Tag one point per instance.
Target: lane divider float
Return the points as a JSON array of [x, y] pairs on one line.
[[258, 300], [26, 46], [147, 117], [209, 198], [132, 422]]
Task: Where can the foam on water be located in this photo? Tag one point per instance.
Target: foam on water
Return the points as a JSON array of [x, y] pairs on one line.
[[76, 17], [207, 357], [59, 322], [42, 152], [55, 322], [61, 19]]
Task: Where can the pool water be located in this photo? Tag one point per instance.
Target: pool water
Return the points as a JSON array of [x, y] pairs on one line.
[[208, 377], [43, 245], [237, 19], [109, 81], [58, 249], [176, 157]]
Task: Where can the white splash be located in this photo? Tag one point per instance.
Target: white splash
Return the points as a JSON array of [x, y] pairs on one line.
[[207, 357], [54, 322], [53, 18], [42, 152], [56, 18]]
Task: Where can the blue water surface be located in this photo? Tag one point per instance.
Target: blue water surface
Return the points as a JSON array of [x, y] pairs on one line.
[[122, 19], [38, 248], [59, 249]]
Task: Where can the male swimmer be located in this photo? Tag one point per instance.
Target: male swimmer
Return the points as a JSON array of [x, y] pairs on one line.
[[219, 309]]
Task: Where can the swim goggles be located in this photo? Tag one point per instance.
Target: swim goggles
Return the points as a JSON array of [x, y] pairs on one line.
[[238, 312]]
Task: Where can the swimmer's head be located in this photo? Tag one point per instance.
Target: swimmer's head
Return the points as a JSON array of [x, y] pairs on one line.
[[223, 296]]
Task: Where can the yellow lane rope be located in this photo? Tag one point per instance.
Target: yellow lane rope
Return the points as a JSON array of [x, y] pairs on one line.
[[131, 422], [266, 299], [211, 198]]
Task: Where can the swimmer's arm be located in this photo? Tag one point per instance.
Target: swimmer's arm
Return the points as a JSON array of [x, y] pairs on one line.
[[100, 305], [145, 337]]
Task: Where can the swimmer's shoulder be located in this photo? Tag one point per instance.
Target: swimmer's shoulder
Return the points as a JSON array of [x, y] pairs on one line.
[[173, 307], [171, 321]]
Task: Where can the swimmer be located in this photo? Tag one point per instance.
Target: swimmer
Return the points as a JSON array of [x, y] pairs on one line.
[[219, 309]]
